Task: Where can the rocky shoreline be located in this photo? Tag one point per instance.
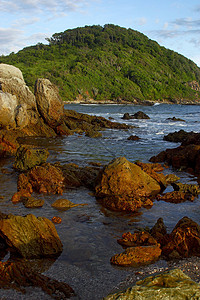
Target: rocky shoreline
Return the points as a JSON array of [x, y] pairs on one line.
[[119, 186]]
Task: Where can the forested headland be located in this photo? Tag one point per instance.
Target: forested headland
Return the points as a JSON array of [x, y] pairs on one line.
[[109, 62]]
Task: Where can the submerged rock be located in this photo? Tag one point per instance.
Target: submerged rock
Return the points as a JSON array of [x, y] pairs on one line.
[[123, 185], [29, 236], [174, 119], [64, 204], [173, 284], [18, 275], [133, 138]]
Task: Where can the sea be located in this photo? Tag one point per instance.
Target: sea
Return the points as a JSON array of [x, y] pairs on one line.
[[89, 233]]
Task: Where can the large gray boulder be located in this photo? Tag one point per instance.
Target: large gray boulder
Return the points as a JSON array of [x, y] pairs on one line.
[[8, 104], [12, 81], [49, 103]]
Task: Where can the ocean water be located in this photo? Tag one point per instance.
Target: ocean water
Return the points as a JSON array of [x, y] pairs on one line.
[[89, 233]]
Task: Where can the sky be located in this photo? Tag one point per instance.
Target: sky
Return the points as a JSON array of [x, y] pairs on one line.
[[174, 24]]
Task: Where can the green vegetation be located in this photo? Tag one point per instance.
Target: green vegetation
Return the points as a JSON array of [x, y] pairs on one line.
[[108, 62]]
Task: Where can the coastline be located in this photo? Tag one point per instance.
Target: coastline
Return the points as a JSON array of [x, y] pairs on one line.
[[135, 102]]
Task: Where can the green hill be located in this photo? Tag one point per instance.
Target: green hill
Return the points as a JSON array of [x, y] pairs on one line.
[[108, 62]]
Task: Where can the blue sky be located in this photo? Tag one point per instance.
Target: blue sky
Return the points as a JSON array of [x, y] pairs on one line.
[[174, 24]]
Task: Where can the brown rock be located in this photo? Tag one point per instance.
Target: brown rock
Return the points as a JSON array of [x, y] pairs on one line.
[[17, 275], [30, 237], [46, 179], [49, 103], [64, 204], [122, 185], [192, 189], [31, 202], [137, 256], [8, 143], [27, 158], [140, 238], [184, 241], [151, 170], [56, 220], [171, 178], [176, 197], [20, 195]]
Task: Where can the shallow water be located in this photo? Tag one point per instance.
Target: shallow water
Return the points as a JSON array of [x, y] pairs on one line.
[[89, 233]]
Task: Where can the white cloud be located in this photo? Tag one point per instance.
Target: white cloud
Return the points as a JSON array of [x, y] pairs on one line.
[[24, 22], [13, 6], [9, 40]]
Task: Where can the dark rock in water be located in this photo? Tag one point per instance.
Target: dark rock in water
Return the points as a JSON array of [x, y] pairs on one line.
[[173, 284], [29, 236], [137, 115], [177, 136], [184, 137], [133, 138], [27, 158], [140, 115], [18, 275], [174, 119], [159, 232], [124, 186], [176, 197], [76, 176], [183, 157], [127, 116]]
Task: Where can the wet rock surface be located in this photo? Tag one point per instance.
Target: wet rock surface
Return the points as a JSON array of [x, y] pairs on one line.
[[137, 256], [45, 179], [28, 157], [29, 236], [123, 185]]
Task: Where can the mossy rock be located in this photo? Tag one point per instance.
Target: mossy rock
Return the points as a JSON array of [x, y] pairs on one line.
[[173, 284]]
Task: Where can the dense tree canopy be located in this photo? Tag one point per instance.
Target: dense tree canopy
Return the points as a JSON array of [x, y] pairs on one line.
[[108, 62]]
